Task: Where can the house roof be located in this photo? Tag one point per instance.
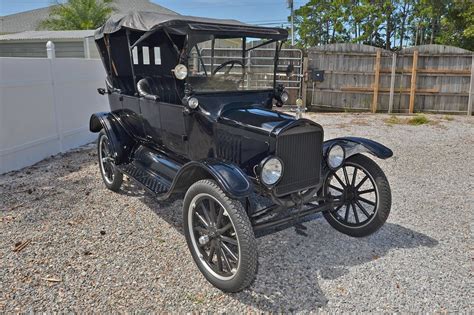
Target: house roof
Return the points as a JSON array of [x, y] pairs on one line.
[[30, 20], [47, 35]]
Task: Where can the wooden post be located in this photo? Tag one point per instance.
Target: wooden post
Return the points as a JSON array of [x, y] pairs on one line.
[[376, 80], [413, 82], [392, 83], [304, 83], [471, 90]]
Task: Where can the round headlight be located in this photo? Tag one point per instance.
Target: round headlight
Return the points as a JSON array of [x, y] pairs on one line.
[[180, 72], [271, 172], [193, 102], [336, 156], [284, 97]]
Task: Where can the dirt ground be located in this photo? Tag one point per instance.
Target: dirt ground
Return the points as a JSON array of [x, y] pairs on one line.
[[69, 244]]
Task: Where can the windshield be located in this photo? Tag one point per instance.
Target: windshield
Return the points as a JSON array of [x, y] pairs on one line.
[[232, 64]]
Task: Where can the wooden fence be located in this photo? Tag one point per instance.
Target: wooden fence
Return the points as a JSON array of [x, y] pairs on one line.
[[429, 78]]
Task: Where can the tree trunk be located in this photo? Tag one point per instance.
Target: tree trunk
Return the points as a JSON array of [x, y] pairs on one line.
[[333, 33], [327, 31], [433, 29], [403, 24], [389, 30], [388, 35], [417, 34]]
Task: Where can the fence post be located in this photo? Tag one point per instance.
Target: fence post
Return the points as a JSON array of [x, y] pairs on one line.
[[87, 48], [413, 82], [376, 80], [59, 130], [304, 83], [471, 90], [392, 83], [50, 50]]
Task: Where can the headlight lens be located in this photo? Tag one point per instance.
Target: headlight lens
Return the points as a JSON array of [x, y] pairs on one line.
[[284, 97], [193, 102], [336, 156], [271, 172], [180, 72]]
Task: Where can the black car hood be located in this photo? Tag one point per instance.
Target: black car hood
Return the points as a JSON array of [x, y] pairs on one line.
[[256, 118]]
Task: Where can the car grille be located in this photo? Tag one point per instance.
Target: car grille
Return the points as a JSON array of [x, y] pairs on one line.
[[301, 153]]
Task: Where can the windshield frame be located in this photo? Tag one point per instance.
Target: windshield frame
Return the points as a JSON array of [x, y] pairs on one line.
[[193, 41]]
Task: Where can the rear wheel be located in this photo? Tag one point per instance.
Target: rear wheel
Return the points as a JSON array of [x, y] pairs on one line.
[[365, 193], [219, 236], [112, 177]]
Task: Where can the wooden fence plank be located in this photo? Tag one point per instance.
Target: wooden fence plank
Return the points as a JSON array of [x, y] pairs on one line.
[[471, 90], [392, 83], [376, 81], [304, 83], [413, 82], [441, 80]]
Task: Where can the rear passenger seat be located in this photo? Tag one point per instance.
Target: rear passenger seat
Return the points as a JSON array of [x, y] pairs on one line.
[[165, 87]]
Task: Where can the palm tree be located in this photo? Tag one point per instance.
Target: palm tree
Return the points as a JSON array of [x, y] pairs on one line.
[[78, 15]]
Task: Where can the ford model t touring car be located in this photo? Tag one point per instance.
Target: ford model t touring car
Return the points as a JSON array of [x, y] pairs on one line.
[[188, 120]]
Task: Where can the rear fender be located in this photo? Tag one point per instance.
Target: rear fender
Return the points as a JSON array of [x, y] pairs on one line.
[[355, 145], [229, 177], [122, 142]]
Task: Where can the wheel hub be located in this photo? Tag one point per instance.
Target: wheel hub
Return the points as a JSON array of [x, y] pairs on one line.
[[350, 193], [213, 232], [203, 240]]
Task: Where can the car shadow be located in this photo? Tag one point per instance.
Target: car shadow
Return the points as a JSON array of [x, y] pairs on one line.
[[291, 265], [289, 273]]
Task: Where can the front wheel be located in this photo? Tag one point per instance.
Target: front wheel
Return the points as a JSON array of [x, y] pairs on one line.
[[365, 193], [219, 236]]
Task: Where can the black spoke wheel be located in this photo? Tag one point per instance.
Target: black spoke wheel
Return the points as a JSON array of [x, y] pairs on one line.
[[112, 177], [219, 236], [364, 197]]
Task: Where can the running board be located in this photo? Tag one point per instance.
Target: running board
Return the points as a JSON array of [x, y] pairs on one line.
[[153, 183]]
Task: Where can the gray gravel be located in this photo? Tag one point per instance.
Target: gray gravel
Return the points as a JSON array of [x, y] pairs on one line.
[[94, 250]]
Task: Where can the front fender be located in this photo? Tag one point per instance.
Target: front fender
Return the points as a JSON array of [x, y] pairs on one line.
[[229, 177], [122, 142], [355, 145]]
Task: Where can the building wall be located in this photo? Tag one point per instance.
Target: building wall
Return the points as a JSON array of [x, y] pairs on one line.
[[45, 106], [37, 49]]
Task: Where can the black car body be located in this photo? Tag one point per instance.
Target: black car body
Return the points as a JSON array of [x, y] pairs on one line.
[[179, 125]]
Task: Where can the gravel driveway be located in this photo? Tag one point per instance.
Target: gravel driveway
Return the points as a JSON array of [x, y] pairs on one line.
[[69, 244]]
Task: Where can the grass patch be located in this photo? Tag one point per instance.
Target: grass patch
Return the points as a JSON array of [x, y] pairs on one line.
[[448, 118], [418, 120], [393, 120]]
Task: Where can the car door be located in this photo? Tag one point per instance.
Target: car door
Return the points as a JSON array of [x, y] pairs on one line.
[[131, 115], [164, 124]]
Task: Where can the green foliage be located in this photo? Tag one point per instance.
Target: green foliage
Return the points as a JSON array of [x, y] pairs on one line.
[[393, 120], [418, 120], [457, 25], [391, 24], [78, 15]]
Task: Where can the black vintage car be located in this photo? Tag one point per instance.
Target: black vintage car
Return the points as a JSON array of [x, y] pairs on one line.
[[183, 122]]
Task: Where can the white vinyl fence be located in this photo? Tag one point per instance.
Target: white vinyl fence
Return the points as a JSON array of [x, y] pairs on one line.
[[45, 106]]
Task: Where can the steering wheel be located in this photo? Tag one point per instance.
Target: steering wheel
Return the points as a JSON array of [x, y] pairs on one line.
[[232, 63]]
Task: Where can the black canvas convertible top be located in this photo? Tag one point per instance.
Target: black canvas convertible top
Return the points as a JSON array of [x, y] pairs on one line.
[[180, 24]]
